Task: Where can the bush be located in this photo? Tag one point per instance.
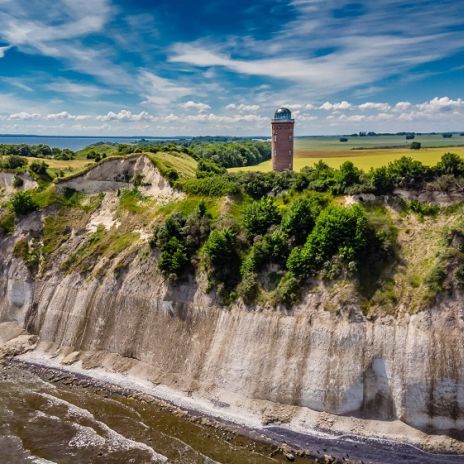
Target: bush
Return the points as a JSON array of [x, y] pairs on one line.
[[452, 164], [415, 146], [212, 186], [23, 203], [13, 162], [337, 230], [381, 180], [179, 238], [272, 248], [407, 172], [18, 182], [222, 257], [40, 169], [206, 168], [7, 223], [299, 220], [259, 216], [288, 291], [174, 258]]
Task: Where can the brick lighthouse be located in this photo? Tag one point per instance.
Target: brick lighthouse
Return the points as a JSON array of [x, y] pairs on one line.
[[282, 140]]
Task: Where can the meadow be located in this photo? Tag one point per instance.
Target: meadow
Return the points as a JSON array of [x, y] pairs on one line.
[[366, 152]]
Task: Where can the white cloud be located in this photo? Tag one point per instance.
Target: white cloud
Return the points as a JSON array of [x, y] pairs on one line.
[[439, 104], [126, 116], [374, 106], [77, 88], [343, 105], [160, 91], [3, 50], [242, 107], [191, 105], [402, 106], [24, 116], [310, 106]]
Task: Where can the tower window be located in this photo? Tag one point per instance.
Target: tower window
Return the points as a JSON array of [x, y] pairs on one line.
[[289, 137]]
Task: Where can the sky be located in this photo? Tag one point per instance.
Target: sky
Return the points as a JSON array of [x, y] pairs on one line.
[[173, 67]]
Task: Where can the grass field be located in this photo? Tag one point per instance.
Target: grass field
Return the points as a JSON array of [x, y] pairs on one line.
[[310, 150]]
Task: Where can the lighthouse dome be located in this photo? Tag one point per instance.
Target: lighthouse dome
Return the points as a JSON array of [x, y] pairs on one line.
[[283, 113]]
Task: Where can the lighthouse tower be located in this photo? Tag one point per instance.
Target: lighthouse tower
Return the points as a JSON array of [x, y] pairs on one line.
[[282, 140]]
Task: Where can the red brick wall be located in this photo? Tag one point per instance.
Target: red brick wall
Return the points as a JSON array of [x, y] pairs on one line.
[[282, 145]]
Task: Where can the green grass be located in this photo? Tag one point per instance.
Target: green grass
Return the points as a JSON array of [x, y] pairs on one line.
[[102, 243], [184, 164], [188, 205]]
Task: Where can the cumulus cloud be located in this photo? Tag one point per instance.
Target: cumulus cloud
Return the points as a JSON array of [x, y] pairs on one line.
[[65, 115], [24, 116], [374, 106], [402, 106], [343, 105], [242, 107], [191, 105], [126, 116], [441, 104]]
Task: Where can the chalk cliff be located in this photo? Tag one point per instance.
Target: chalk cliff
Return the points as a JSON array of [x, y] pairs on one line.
[[281, 365]]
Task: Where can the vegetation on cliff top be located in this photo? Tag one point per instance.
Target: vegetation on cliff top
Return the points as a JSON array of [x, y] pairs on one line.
[[263, 237]]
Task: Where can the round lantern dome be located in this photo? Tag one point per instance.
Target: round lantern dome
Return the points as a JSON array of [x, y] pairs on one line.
[[283, 113]]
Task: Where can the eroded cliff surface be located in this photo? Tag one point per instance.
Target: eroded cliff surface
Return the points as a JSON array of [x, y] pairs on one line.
[[99, 301], [409, 368]]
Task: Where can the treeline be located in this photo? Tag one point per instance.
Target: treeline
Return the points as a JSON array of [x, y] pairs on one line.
[[225, 154], [37, 151], [407, 173], [233, 154]]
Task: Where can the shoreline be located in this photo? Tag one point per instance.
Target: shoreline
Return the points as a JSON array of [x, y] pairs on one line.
[[328, 445]]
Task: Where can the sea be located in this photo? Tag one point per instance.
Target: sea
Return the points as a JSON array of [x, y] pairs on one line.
[[74, 143]]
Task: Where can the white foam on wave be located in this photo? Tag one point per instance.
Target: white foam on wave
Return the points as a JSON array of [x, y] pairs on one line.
[[87, 436]]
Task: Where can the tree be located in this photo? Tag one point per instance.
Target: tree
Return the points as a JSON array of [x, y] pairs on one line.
[[298, 221], [415, 146], [338, 231], [260, 215]]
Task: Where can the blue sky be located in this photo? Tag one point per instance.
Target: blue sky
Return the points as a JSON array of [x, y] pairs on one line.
[[120, 67]]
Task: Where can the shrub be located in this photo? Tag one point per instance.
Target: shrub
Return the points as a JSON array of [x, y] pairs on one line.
[[452, 164], [288, 291], [212, 186], [259, 216], [222, 257], [207, 168], [381, 180], [23, 203], [40, 169], [347, 176], [299, 220], [337, 231], [173, 258], [415, 146], [13, 162], [407, 172], [7, 223], [18, 182]]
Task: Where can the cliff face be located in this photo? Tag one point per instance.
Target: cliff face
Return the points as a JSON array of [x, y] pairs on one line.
[[409, 369], [109, 307]]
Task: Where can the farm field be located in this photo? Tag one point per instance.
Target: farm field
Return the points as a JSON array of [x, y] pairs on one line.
[[363, 153]]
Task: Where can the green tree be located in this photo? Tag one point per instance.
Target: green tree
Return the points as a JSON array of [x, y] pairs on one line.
[[338, 230], [260, 215]]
